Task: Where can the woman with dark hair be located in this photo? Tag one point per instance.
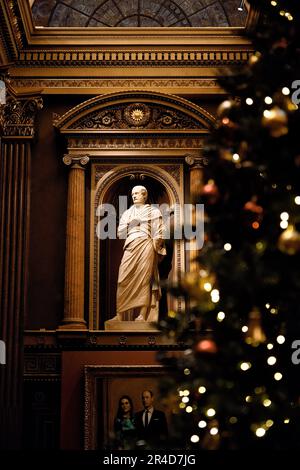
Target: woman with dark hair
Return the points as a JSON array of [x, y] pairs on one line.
[[124, 424]]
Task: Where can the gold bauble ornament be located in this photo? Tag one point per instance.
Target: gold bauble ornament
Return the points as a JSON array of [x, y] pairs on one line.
[[276, 121], [224, 108], [289, 241], [255, 334], [254, 58]]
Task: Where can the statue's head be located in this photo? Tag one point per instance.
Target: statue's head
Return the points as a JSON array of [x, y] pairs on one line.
[[139, 194]]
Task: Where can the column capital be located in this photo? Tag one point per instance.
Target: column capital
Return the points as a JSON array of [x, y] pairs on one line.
[[195, 161], [18, 117], [76, 161]]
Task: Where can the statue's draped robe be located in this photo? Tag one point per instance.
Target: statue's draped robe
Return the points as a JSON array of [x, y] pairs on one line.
[[138, 281]]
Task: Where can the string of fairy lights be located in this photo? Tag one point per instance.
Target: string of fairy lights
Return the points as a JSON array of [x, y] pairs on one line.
[[275, 119], [209, 419]]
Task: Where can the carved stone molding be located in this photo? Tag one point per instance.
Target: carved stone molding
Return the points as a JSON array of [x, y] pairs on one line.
[[18, 117], [137, 115], [106, 112], [88, 84], [42, 364], [136, 143]]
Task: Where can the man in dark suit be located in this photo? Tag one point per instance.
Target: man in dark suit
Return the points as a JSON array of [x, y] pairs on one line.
[[151, 424]]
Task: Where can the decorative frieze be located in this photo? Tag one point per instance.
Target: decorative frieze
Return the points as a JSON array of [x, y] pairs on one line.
[[136, 143], [132, 58]]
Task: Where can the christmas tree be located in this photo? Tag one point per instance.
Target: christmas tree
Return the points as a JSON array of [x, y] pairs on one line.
[[235, 385]]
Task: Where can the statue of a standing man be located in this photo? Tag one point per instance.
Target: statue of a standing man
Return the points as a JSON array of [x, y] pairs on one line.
[[138, 281]]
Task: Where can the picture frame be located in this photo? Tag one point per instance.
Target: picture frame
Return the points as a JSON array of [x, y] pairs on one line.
[[104, 386]]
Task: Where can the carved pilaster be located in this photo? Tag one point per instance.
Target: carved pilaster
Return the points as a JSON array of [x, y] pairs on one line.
[[74, 268], [17, 126]]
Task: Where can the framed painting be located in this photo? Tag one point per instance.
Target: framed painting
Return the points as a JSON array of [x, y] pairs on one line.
[[104, 388]]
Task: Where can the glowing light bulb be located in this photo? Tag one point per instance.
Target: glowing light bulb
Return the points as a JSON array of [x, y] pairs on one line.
[[186, 371], [271, 360], [220, 316], [260, 432], [185, 399], [207, 286], [284, 224], [202, 424], [284, 216], [214, 431], [202, 389], [211, 412], [267, 402], [189, 409], [249, 101], [235, 157], [245, 366], [280, 339], [277, 376], [215, 296], [268, 100], [297, 200], [244, 329], [270, 346], [195, 438], [227, 247], [285, 91]]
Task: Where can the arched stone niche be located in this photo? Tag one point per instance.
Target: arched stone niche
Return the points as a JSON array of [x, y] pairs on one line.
[[124, 139], [163, 189]]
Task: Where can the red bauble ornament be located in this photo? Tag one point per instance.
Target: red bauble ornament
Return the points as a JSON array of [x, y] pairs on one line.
[[251, 206], [210, 191], [206, 346]]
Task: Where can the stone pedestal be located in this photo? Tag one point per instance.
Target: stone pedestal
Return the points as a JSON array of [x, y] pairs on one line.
[[115, 325]]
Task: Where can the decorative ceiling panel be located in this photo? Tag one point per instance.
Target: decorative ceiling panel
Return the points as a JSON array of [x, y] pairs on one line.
[[138, 13]]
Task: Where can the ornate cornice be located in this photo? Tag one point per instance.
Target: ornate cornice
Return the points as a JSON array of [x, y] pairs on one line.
[[19, 115], [92, 85]]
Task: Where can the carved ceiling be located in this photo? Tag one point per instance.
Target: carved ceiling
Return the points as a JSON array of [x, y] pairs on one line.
[[138, 13]]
